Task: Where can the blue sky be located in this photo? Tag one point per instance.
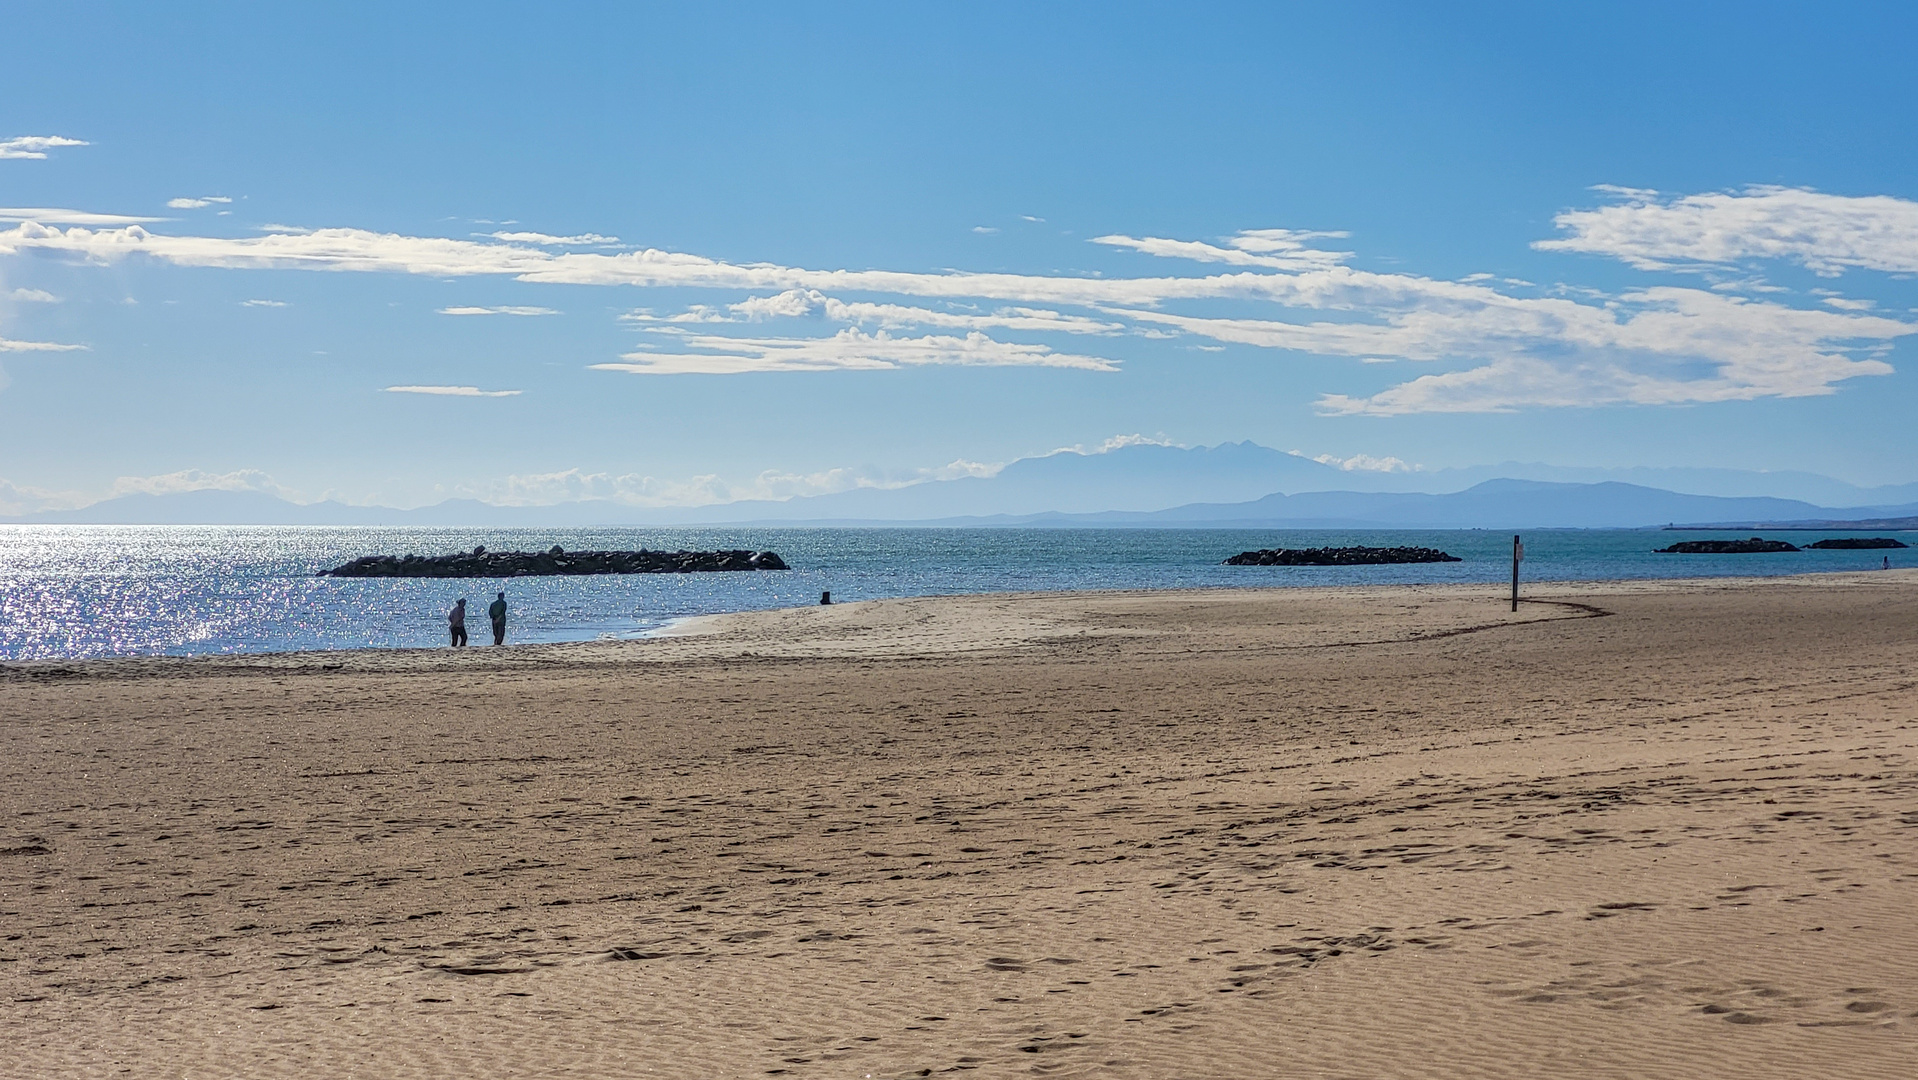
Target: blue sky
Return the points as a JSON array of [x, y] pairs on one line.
[[679, 254]]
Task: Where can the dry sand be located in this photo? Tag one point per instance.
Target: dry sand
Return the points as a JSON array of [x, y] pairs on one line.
[[1640, 830]]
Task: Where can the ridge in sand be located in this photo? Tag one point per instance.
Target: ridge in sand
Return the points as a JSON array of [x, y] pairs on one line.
[[1633, 830]]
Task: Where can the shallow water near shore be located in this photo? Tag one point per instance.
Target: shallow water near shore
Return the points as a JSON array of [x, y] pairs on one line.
[[70, 592]]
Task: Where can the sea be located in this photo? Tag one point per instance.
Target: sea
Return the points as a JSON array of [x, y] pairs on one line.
[[84, 591]]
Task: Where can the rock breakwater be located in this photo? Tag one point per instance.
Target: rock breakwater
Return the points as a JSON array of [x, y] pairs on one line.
[[1855, 543], [1754, 546], [1339, 556], [481, 563]]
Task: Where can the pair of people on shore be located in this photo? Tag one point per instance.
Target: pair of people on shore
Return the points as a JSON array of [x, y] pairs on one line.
[[456, 621]]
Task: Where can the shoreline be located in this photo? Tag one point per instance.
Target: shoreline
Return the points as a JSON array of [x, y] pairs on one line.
[[683, 637]]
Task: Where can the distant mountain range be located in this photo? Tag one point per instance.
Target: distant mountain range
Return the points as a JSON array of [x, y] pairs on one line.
[[1233, 484]]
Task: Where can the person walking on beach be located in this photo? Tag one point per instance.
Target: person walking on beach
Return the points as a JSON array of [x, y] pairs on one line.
[[456, 621], [497, 612]]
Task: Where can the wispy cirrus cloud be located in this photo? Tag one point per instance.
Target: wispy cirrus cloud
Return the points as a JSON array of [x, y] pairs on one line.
[[34, 147], [1491, 344], [190, 203], [503, 310], [794, 303], [1280, 249], [549, 240], [53, 215], [452, 391], [9, 345], [851, 349], [33, 296], [1827, 234], [263, 303]]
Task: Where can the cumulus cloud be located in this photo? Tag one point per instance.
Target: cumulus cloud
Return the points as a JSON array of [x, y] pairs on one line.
[[197, 480], [851, 349], [27, 499], [186, 203], [504, 310], [1825, 233], [452, 391], [33, 296], [34, 146]]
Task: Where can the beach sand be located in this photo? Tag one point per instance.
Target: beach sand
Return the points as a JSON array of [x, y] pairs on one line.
[[1634, 830]]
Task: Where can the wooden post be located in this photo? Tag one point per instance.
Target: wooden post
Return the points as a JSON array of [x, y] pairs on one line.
[[1518, 549]]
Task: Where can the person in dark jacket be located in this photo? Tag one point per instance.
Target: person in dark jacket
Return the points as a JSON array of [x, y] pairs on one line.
[[497, 612], [456, 622]]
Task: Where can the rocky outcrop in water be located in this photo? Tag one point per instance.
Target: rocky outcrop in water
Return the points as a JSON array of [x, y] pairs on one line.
[[481, 563], [1754, 546], [1853, 543], [1340, 556]]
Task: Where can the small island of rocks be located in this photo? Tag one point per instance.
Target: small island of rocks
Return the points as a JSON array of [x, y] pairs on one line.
[[1339, 556], [1754, 546], [481, 563], [1854, 543]]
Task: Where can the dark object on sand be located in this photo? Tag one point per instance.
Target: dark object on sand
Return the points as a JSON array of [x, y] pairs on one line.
[[825, 598], [505, 564], [1344, 556], [1754, 546], [1852, 543]]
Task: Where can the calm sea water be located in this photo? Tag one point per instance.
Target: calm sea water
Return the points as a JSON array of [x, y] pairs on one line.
[[90, 591]]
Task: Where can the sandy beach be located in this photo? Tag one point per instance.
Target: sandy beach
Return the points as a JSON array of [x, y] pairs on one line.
[[1639, 829]]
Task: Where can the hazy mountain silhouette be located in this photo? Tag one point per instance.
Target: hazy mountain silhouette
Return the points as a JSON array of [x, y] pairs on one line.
[[1141, 485]]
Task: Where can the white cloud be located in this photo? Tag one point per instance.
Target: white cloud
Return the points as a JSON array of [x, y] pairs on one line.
[[184, 203], [1492, 350], [1280, 249], [197, 480], [984, 230], [1826, 233], [549, 240], [33, 296], [799, 302], [1360, 462], [53, 215], [8, 345], [452, 391], [851, 349], [263, 303], [505, 310], [34, 146], [23, 499]]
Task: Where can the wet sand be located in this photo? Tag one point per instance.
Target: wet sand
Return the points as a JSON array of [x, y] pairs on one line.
[[1635, 830]]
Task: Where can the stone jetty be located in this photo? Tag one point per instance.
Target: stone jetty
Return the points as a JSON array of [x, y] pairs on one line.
[[481, 563], [1339, 556], [1754, 546], [1854, 543]]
